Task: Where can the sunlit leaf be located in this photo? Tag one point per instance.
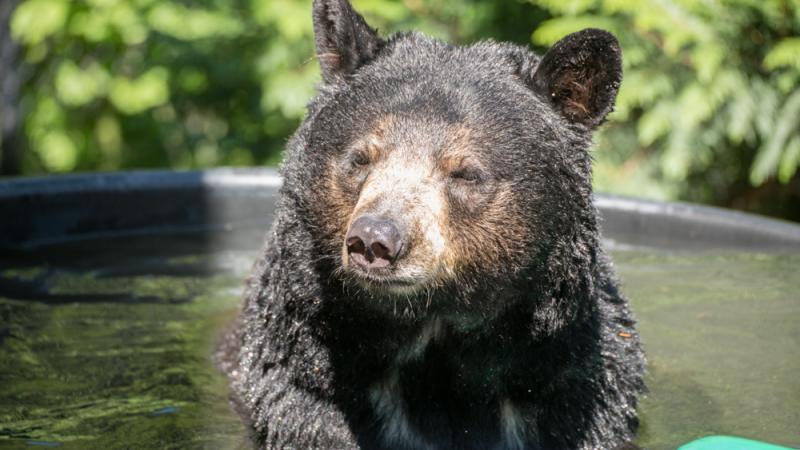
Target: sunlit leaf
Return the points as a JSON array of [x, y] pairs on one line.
[[128, 23], [678, 154], [289, 17], [57, 151], [741, 110], [641, 88], [90, 25], [768, 103], [45, 114], [393, 11], [707, 59], [785, 54], [132, 96], [288, 92], [655, 123], [566, 7], [189, 24], [76, 87], [35, 20], [790, 161], [617, 6], [769, 155], [552, 30]]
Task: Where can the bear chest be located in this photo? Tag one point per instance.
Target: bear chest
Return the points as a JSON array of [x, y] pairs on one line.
[[438, 394]]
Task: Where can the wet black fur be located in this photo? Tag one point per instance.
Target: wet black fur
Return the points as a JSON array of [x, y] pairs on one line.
[[551, 332]]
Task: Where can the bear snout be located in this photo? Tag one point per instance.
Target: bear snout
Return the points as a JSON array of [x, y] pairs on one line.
[[373, 243]]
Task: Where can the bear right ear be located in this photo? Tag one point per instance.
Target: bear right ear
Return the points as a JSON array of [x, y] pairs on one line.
[[344, 40], [580, 76]]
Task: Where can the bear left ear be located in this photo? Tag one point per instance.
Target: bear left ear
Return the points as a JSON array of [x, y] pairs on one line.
[[580, 75], [344, 40]]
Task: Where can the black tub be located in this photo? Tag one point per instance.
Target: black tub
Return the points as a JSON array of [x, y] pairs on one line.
[[40, 211]]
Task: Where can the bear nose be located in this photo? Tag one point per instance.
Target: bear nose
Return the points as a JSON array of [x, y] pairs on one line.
[[373, 243]]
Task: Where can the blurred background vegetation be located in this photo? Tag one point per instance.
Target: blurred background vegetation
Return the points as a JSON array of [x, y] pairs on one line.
[[709, 110]]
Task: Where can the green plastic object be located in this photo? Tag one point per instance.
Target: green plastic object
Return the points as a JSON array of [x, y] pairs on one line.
[[729, 443]]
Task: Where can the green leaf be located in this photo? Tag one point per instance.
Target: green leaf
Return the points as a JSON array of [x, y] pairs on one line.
[[616, 6], [288, 17], [76, 87], [567, 7], [785, 54], [769, 155], [707, 59], [133, 96], [57, 151], [288, 92], [128, 23], [90, 25], [655, 123], [701, 101], [790, 160], [550, 31], [46, 114], [35, 20], [642, 88], [741, 111], [676, 160], [768, 102], [191, 24]]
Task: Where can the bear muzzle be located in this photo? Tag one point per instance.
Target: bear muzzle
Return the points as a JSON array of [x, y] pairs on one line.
[[374, 243]]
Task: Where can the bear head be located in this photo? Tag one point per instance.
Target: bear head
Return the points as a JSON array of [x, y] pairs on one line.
[[426, 168]]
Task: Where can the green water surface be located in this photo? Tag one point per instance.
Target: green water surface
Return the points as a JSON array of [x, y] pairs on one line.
[[99, 351]]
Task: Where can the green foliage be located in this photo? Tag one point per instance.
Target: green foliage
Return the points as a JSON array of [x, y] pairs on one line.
[[36, 20], [709, 104], [141, 83], [711, 93], [117, 84]]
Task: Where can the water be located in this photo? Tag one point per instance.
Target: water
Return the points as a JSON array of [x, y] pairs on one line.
[[106, 344], [722, 335], [113, 351]]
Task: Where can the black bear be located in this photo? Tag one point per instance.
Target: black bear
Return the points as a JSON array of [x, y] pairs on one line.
[[434, 277]]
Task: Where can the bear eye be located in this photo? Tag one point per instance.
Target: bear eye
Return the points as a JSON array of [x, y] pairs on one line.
[[471, 175], [361, 159]]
